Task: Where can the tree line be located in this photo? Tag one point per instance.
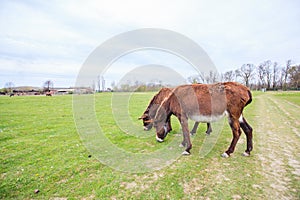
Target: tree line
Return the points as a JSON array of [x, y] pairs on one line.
[[138, 86], [10, 87], [268, 75]]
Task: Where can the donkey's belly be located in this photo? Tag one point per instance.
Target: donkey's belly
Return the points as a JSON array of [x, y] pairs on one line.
[[208, 118]]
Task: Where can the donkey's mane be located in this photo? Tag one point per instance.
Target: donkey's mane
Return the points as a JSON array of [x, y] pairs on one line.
[[156, 97], [163, 102]]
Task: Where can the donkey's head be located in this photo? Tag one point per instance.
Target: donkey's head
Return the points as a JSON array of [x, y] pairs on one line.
[[160, 124], [161, 131], [149, 115], [147, 121]]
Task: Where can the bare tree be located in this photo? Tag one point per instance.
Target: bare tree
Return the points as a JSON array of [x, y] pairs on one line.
[[48, 85], [261, 75], [222, 79], [285, 72], [294, 75], [275, 75], [268, 72], [281, 77], [229, 76], [246, 72], [9, 87], [212, 77], [195, 79]]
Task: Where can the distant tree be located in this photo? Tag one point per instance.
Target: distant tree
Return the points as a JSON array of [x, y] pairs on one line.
[[126, 86], [275, 75], [195, 79], [285, 72], [268, 73], [212, 77], [141, 88], [137, 83], [261, 75], [264, 74], [246, 72], [229, 76], [294, 75], [48, 85], [281, 78], [8, 87]]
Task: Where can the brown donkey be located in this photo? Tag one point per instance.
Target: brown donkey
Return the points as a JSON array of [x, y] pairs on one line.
[[206, 103], [151, 110]]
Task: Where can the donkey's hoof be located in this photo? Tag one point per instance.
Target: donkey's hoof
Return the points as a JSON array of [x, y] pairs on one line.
[[246, 154], [225, 155], [185, 153]]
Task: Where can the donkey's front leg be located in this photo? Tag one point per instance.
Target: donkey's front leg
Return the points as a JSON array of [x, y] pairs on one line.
[[169, 127], [186, 135]]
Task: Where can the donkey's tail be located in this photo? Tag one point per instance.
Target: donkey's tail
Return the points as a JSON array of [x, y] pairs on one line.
[[250, 98]]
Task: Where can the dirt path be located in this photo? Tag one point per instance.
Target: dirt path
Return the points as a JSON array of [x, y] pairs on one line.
[[278, 141]]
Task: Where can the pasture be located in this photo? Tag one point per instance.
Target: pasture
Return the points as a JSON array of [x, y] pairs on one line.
[[41, 149]]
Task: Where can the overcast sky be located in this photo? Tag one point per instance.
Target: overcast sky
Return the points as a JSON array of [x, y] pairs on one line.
[[41, 40]]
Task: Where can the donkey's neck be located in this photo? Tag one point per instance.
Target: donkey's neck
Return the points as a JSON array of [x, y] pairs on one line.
[[164, 111]]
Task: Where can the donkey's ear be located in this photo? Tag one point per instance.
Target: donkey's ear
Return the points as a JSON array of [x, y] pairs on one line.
[[142, 117], [149, 121]]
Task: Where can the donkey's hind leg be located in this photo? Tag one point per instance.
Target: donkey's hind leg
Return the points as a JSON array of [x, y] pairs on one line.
[[195, 127], [209, 129], [236, 132], [248, 132]]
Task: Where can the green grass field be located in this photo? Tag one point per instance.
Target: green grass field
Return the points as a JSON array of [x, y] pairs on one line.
[[41, 149]]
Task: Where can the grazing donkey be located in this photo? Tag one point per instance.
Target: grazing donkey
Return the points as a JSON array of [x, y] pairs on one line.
[[206, 103], [154, 104]]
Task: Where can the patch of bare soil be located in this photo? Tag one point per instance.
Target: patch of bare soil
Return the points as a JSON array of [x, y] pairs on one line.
[[141, 183], [279, 149]]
